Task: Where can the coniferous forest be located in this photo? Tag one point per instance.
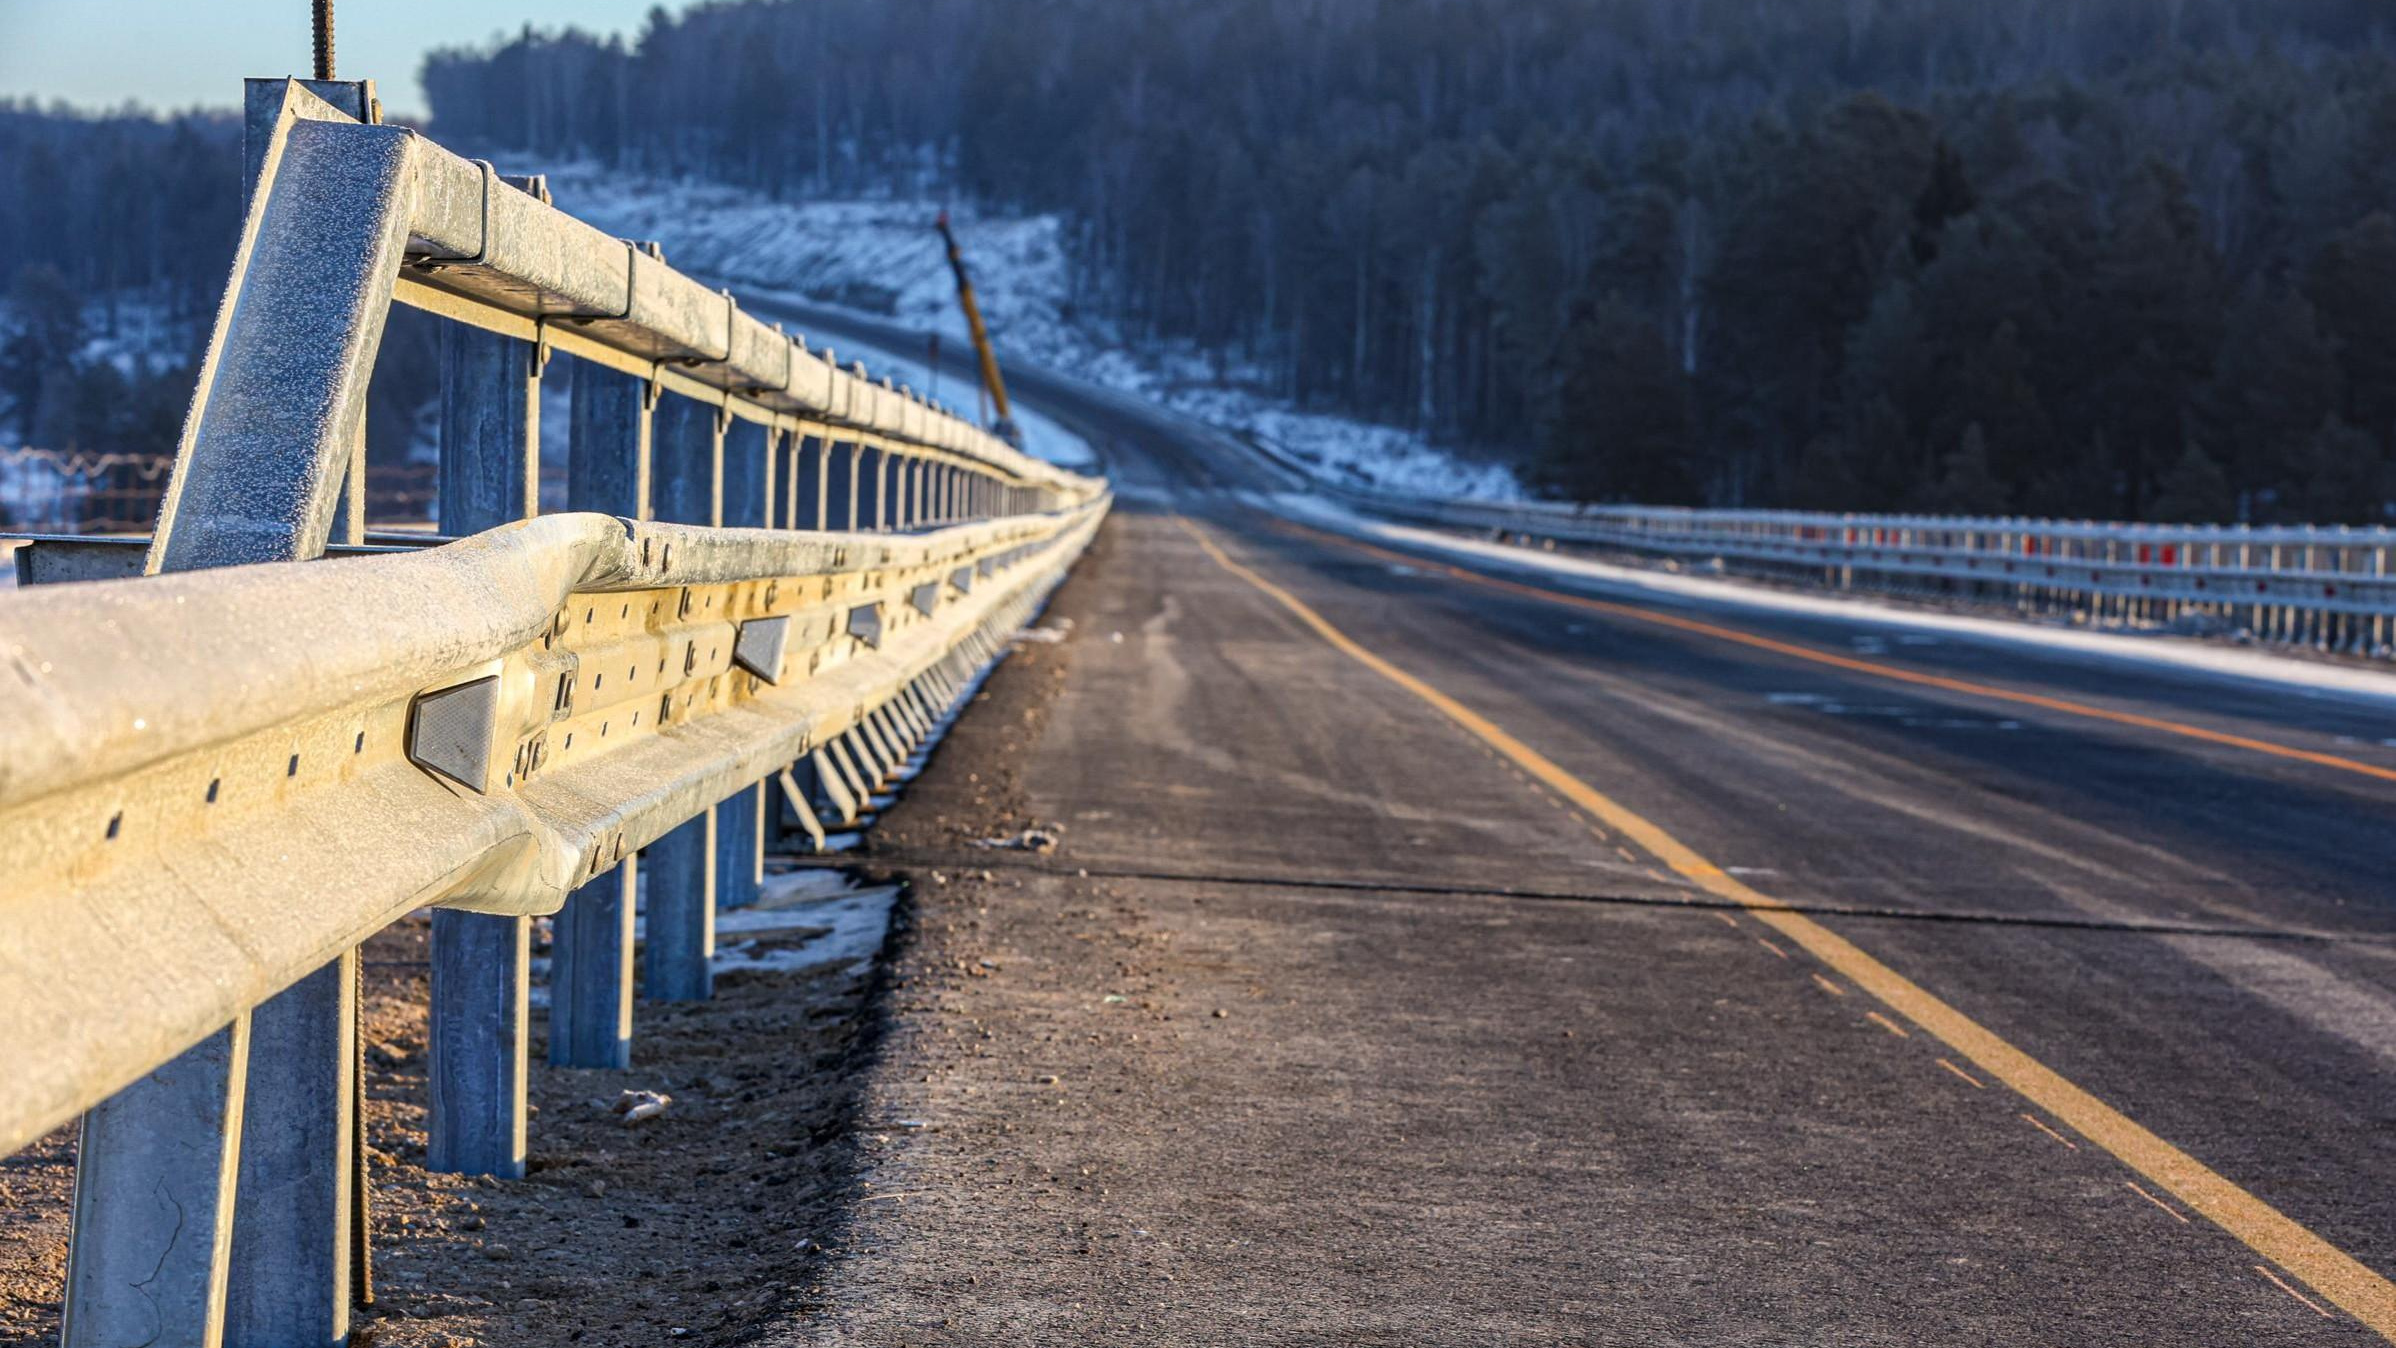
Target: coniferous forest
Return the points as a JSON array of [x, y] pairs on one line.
[[2095, 257], [2114, 258]]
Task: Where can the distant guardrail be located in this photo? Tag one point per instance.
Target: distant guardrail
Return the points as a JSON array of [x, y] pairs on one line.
[[2327, 587], [220, 772], [52, 491]]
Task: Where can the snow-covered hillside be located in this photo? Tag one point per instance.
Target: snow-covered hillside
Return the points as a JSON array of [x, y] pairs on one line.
[[882, 257]]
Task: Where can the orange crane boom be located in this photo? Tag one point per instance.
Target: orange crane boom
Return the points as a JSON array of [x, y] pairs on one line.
[[992, 382]]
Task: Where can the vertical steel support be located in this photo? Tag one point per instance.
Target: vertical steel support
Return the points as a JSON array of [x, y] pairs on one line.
[[676, 965], [840, 471], [148, 1262], [872, 466], [739, 829], [802, 486], [590, 976], [749, 450], [480, 1041], [607, 452], [590, 994], [481, 964], [821, 454], [490, 430], [688, 464], [289, 1281], [274, 429], [740, 846], [689, 489]]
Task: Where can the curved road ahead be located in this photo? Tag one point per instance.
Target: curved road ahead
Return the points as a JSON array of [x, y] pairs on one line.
[[1437, 955]]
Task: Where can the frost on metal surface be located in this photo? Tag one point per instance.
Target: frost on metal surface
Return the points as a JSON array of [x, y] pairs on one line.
[[216, 778], [206, 784], [282, 394]]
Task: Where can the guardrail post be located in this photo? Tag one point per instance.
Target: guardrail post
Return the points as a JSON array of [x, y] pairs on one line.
[[873, 488], [739, 829], [676, 965], [289, 1281], [689, 489], [590, 981], [809, 473], [478, 1043], [258, 478], [154, 1198], [148, 1259], [687, 469], [841, 465]]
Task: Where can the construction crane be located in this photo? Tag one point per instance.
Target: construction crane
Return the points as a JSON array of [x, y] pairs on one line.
[[1004, 426]]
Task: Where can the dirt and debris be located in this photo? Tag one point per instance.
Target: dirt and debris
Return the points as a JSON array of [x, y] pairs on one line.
[[1029, 840], [637, 1107], [709, 1219]]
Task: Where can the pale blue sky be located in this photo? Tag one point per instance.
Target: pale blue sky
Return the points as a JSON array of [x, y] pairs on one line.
[[178, 54]]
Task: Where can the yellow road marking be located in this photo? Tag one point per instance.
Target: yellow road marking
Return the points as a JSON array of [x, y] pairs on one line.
[[1771, 947], [1832, 988], [2336, 1275], [1889, 1025], [1727, 920], [1977, 1083], [1847, 662], [2140, 1190]]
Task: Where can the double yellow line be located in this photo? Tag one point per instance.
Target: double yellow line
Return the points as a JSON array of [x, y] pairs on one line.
[[2332, 1272]]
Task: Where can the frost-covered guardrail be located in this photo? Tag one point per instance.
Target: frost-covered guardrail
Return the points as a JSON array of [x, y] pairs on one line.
[[220, 771], [2331, 588]]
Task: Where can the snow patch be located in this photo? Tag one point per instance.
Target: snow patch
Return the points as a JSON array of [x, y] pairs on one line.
[[2300, 678], [881, 258]]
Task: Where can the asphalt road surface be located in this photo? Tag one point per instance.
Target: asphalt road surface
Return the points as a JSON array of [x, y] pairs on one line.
[[1433, 960]]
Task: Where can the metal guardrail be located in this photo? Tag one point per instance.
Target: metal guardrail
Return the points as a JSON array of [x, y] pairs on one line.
[[777, 577], [2328, 587]]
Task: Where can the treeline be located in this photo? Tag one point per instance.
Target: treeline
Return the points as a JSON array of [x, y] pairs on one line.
[[2064, 256], [116, 232], [2073, 256]]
